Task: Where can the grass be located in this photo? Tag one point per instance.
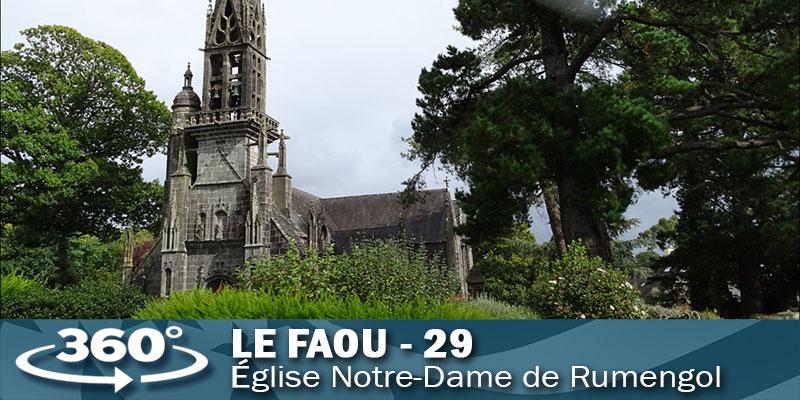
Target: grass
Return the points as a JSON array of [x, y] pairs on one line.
[[232, 304]]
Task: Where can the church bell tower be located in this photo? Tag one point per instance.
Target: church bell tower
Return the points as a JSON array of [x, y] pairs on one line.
[[219, 209], [235, 56]]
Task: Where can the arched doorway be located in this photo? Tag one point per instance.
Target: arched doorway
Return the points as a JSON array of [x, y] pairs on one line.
[[219, 282]]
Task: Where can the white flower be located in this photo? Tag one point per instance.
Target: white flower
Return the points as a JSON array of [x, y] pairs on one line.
[[583, 316], [601, 270], [553, 282], [612, 308]]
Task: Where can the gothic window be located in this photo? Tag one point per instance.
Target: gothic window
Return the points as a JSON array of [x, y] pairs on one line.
[[216, 95], [167, 282], [216, 65], [236, 63], [227, 28], [323, 238]]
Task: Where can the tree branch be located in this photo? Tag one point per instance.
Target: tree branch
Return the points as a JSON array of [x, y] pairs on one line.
[[683, 148], [591, 43], [485, 82], [715, 108]]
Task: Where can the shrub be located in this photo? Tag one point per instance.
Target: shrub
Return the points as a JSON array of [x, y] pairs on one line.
[[236, 304], [26, 299], [498, 309], [579, 286], [677, 312], [386, 271], [508, 266], [23, 298], [30, 262], [101, 300]]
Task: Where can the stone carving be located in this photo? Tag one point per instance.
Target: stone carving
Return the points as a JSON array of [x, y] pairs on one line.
[[220, 219], [254, 205], [201, 277], [200, 230]]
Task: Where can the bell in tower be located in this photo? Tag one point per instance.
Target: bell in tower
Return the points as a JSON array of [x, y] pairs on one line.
[[235, 56]]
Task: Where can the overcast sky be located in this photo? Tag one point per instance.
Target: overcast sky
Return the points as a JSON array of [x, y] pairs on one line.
[[342, 80]]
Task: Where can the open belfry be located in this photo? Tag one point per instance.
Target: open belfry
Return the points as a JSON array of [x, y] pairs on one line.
[[225, 205]]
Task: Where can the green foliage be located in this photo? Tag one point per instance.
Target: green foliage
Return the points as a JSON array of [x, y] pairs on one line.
[[76, 122], [508, 265], [738, 228], [498, 309], [580, 286], [386, 271], [232, 304], [677, 312], [638, 257], [14, 285], [595, 97], [39, 263], [87, 258], [26, 299]]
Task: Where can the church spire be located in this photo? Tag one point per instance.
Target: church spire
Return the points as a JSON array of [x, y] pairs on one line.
[[187, 77]]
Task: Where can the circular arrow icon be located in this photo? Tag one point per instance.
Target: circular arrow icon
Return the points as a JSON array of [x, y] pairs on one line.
[[120, 379]]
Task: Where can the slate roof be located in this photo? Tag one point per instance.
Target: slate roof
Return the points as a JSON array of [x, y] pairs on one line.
[[377, 216]]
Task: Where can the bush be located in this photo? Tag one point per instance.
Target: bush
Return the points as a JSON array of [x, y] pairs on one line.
[[508, 266], [385, 271], [23, 298], [29, 262], [87, 258], [498, 309], [26, 299], [235, 304], [677, 312], [579, 286]]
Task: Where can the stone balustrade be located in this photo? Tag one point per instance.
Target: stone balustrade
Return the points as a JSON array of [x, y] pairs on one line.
[[231, 115]]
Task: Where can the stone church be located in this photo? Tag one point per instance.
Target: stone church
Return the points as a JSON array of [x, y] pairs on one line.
[[224, 204]]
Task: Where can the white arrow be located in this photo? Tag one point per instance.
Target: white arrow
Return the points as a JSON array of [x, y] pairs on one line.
[[119, 380], [200, 363]]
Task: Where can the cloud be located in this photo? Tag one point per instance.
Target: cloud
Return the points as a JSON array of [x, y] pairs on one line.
[[342, 79]]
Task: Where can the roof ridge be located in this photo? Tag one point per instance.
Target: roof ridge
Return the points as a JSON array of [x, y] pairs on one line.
[[378, 194]]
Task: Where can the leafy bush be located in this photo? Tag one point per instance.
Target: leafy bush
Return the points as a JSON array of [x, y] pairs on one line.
[[509, 264], [385, 271], [14, 284], [235, 304], [677, 312], [579, 286], [498, 309], [26, 299], [17, 259], [101, 300]]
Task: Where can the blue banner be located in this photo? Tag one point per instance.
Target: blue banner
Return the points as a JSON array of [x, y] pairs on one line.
[[201, 360]]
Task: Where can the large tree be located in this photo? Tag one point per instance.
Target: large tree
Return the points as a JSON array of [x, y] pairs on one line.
[[573, 101], [739, 229], [76, 123]]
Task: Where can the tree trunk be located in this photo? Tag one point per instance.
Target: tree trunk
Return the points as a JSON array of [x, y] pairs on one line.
[[579, 221], [550, 192], [750, 289]]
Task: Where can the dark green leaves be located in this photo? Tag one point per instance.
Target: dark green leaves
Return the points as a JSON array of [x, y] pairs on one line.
[[76, 122]]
